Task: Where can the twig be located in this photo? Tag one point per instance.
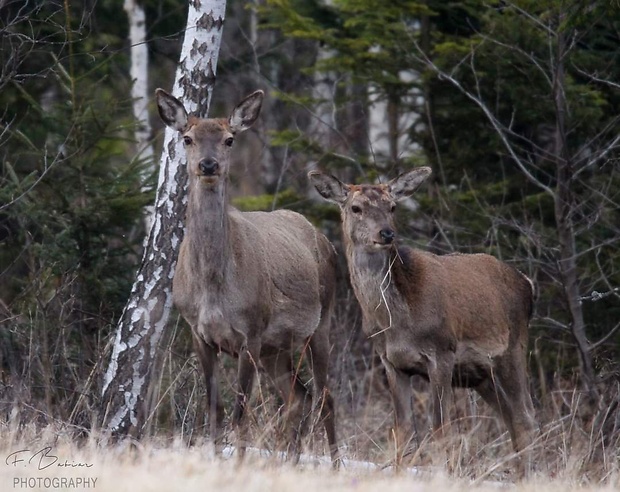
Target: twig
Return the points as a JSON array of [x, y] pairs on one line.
[[383, 289]]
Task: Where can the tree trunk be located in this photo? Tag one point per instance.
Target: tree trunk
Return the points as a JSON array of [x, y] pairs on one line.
[[564, 207], [139, 71], [127, 389], [323, 92], [357, 128], [392, 115]]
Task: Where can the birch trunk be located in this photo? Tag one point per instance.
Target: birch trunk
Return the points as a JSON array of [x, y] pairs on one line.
[[324, 93], [138, 72], [127, 391]]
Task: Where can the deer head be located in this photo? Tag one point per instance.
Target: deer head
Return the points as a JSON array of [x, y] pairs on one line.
[[368, 210], [208, 141]]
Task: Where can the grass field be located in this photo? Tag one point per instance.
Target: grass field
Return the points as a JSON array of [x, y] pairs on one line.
[[51, 443], [49, 461], [169, 469], [577, 448]]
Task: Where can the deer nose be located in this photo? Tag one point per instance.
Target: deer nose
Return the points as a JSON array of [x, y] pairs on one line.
[[387, 235], [208, 166]]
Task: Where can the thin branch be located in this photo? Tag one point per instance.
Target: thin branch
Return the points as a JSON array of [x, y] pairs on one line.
[[532, 18], [615, 85], [529, 56], [610, 334], [46, 169], [497, 125]]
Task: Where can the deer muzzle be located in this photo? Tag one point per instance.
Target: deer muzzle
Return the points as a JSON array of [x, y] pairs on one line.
[[208, 166], [387, 236]]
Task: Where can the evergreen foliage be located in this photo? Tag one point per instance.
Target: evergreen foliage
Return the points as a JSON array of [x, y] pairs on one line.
[[472, 85], [506, 56], [71, 199]]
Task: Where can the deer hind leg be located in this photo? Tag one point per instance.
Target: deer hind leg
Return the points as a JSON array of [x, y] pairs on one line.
[[246, 372], [208, 360], [297, 400], [401, 392], [319, 360], [507, 392]]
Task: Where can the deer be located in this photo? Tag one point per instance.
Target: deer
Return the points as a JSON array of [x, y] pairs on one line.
[[258, 286], [456, 320]]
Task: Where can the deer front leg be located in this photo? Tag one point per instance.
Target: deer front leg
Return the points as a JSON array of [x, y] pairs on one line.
[[247, 368], [400, 389], [440, 369], [208, 360]]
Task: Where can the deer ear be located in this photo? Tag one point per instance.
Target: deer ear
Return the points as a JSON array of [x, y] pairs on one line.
[[246, 112], [405, 184], [329, 187], [171, 110]]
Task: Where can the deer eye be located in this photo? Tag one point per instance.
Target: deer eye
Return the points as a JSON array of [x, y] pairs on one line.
[[356, 210], [229, 141], [393, 207], [187, 140]]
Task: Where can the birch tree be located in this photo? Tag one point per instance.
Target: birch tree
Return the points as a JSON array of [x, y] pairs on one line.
[[127, 390], [138, 71]]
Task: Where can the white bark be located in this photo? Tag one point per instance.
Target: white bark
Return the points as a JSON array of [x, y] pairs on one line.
[[138, 71], [139, 74], [324, 92], [126, 384], [383, 136]]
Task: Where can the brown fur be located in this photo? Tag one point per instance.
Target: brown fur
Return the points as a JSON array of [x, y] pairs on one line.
[[457, 320], [256, 285]]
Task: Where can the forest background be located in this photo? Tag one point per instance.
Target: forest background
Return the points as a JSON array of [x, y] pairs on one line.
[[515, 106]]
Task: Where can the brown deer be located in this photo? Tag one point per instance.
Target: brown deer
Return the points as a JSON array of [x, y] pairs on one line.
[[255, 285], [456, 320]]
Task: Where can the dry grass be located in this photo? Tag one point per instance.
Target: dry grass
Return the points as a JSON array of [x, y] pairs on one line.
[[577, 442], [578, 446], [570, 453], [159, 466]]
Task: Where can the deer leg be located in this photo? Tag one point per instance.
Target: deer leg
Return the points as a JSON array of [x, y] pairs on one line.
[[520, 400], [294, 395], [507, 392], [400, 389], [440, 377], [440, 369], [208, 359], [247, 368], [319, 359]]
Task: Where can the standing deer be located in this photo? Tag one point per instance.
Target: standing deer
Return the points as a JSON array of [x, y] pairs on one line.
[[456, 320], [255, 285]]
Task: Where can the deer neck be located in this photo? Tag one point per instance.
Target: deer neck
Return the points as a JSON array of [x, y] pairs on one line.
[[372, 273], [208, 230]]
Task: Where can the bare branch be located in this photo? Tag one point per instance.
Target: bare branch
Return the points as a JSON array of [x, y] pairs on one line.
[[594, 77], [609, 334], [532, 19], [497, 125]]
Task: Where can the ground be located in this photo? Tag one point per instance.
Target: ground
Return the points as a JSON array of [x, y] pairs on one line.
[[48, 463]]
